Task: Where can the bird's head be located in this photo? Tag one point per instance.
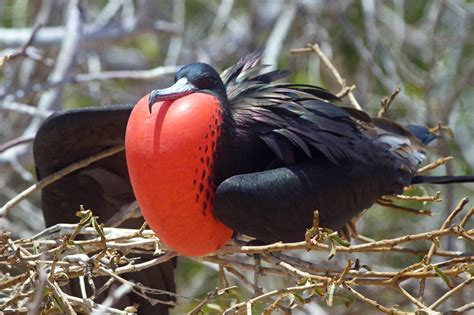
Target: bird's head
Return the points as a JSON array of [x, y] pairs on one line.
[[194, 77]]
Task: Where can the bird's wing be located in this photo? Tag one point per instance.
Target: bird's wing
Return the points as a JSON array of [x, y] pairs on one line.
[[104, 186], [299, 120], [289, 118], [278, 204]]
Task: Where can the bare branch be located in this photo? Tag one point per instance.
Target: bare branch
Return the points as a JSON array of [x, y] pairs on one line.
[[54, 35], [278, 34], [345, 89], [387, 101]]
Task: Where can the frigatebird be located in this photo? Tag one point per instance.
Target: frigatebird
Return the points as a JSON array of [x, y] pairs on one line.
[[240, 152]]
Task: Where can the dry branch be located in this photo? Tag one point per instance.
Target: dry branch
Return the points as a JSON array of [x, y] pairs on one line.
[[387, 101], [346, 90], [60, 261]]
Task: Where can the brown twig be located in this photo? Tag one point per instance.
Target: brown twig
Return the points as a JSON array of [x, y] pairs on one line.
[[464, 308], [371, 302], [242, 278], [448, 294], [434, 165], [412, 251], [59, 294], [383, 202], [239, 306], [435, 198], [209, 297], [442, 127], [375, 246], [14, 142], [466, 218], [23, 50], [387, 101], [345, 89], [282, 265], [427, 258], [412, 298]]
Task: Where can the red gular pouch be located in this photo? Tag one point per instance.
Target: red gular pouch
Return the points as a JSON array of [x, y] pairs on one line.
[[170, 156]]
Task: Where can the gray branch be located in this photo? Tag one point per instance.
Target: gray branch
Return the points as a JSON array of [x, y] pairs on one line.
[[93, 33]]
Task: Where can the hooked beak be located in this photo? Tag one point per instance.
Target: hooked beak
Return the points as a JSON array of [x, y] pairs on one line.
[[181, 88]]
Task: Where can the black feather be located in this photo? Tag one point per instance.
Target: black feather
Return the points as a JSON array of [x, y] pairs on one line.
[[442, 179]]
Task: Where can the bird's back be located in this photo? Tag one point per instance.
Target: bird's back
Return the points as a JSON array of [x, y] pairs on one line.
[[321, 156]]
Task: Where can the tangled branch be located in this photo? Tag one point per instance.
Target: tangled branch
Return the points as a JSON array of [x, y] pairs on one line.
[[58, 255]]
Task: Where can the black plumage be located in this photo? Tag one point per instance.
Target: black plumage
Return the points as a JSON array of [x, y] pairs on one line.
[[284, 151], [288, 150]]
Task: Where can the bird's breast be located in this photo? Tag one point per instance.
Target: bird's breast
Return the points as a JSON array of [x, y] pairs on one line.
[[170, 156]]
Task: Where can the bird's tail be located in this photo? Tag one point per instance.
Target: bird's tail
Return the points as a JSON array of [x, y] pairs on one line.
[[442, 179], [422, 133]]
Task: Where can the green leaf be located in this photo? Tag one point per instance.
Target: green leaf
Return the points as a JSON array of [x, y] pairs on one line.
[[97, 227], [59, 303], [46, 291], [319, 291], [296, 298], [84, 215], [443, 276], [215, 307], [303, 281], [335, 237]]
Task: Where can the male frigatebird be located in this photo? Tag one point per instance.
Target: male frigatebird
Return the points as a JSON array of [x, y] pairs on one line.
[[237, 152], [213, 155]]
